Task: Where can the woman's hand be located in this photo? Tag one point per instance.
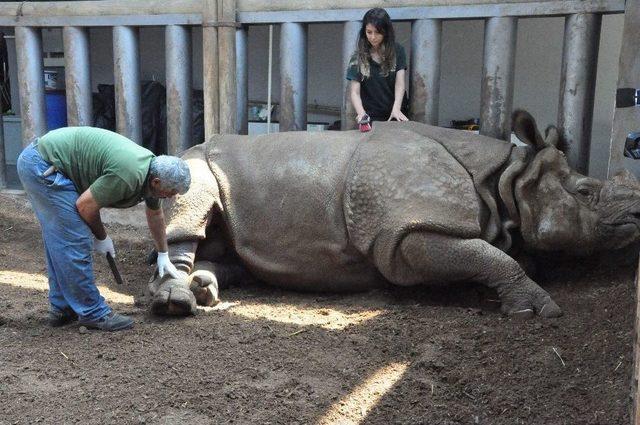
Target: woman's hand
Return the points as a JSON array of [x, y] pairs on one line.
[[398, 115], [360, 116]]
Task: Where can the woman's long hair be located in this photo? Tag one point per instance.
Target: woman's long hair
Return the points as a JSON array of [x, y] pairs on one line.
[[380, 19]]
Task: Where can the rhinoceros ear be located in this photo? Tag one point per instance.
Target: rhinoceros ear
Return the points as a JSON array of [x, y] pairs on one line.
[[552, 137], [526, 129]]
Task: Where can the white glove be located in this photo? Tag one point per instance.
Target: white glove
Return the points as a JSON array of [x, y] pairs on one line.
[[104, 246], [166, 266]]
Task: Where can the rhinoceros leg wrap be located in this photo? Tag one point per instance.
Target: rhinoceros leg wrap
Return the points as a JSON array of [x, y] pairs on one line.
[[183, 254], [437, 257]]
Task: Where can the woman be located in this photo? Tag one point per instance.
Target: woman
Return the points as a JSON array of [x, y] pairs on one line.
[[377, 71]]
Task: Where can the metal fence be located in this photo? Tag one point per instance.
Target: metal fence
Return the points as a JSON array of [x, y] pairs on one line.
[[225, 24]]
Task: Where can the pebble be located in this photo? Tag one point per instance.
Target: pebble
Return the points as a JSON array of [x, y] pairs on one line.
[[83, 330]]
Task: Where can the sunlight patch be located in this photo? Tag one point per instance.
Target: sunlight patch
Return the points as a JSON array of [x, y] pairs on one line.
[[39, 282], [354, 407], [326, 318]]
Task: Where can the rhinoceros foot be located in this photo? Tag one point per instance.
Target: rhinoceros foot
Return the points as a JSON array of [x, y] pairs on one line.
[[173, 298], [204, 286], [527, 304]]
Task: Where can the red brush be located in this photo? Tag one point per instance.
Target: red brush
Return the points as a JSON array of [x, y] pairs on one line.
[[365, 123]]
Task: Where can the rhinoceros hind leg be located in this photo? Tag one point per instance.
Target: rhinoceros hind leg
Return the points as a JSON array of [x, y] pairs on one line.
[[173, 297], [435, 257]]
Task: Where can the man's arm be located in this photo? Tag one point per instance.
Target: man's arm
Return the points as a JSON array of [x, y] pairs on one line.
[[89, 210], [155, 221]]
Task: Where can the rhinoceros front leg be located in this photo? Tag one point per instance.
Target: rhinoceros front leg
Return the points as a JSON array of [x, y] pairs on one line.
[[437, 257], [173, 296]]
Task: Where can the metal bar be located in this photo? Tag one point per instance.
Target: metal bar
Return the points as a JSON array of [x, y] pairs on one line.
[[496, 98], [227, 67], [31, 83], [126, 54], [269, 78], [577, 86], [627, 119], [242, 80], [210, 71], [635, 377], [3, 156], [293, 76], [77, 76], [179, 85], [426, 42], [350, 33], [522, 9]]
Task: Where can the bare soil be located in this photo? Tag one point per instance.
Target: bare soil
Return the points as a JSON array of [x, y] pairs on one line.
[[266, 356]]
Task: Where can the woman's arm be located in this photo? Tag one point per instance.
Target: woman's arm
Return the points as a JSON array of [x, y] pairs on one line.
[[399, 95], [356, 100]]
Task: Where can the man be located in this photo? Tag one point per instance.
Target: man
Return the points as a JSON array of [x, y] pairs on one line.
[[70, 174]]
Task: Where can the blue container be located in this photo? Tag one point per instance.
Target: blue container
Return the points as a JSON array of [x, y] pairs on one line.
[[56, 105]]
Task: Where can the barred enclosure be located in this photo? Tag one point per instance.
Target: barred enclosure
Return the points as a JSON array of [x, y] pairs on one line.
[[225, 25]]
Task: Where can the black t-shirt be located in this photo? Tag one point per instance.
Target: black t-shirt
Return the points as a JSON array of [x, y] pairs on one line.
[[377, 91]]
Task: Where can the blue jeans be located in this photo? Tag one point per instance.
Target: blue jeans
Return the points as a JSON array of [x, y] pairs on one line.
[[68, 240]]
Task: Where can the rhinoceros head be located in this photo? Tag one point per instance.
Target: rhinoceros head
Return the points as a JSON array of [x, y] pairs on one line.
[[562, 210]]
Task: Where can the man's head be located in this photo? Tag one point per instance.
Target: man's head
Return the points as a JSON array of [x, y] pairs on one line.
[[168, 176]]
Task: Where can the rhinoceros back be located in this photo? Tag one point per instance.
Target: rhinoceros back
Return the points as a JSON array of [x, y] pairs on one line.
[[282, 199]]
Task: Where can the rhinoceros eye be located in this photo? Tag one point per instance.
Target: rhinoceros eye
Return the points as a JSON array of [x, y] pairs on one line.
[[587, 192], [584, 191]]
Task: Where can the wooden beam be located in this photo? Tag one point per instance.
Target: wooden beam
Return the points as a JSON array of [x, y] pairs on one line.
[[20, 9], [210, 71], [227, 65], [635, 408]]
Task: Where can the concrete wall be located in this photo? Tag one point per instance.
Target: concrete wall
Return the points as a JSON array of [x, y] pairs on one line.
[[537, 81]]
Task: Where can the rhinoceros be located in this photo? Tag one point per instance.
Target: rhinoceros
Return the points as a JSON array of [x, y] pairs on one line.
[[404, 204]]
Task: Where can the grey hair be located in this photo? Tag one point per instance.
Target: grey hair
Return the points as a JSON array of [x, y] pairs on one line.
[[172, 171]]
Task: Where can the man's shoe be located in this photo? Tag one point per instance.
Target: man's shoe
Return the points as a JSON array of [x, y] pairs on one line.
[[111, 322], [60, 318]]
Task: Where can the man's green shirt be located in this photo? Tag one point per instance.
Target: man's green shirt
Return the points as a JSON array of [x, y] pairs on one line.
[[113, 167]]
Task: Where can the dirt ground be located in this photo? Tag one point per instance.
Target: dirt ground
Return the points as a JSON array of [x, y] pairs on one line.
[[268, 356]]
